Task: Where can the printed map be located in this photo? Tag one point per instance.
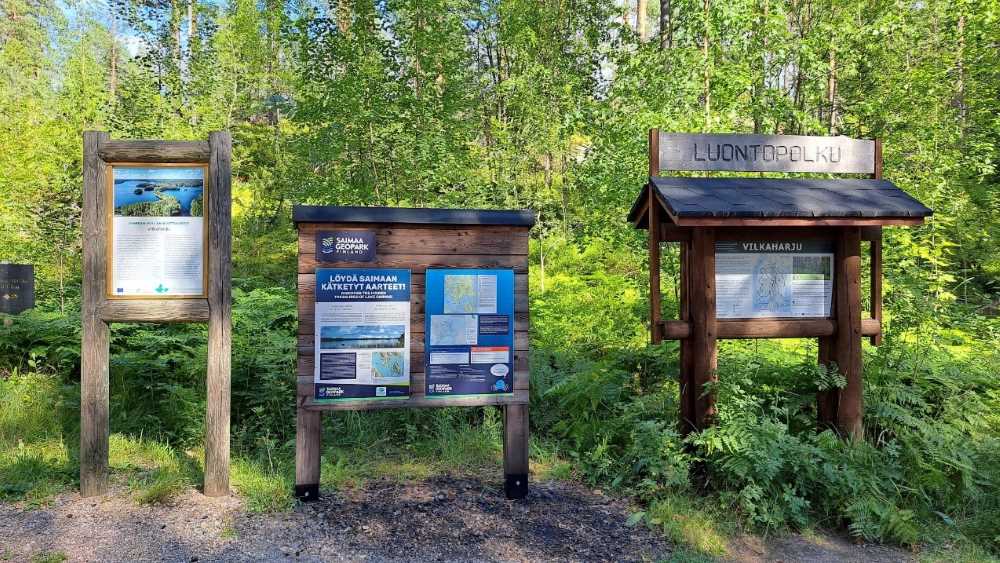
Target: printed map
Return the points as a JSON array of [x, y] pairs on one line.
[[772, 284], [387, 364], [459, 295], [453, 330]]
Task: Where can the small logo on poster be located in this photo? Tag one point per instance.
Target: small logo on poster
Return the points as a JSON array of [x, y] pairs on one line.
[[345, 246], [380, 391]]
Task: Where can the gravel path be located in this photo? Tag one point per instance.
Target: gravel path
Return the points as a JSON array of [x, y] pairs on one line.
[[440, 519]]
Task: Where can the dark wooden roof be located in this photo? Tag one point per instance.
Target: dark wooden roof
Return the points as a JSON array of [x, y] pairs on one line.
[[739, 201], [424, 216]]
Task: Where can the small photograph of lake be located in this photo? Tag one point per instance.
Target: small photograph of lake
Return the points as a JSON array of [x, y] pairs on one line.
[[159, 191], [361, 337]]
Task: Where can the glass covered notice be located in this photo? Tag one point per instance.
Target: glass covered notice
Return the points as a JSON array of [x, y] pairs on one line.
[[470, 332], [158, 231], [362, 346], [773, 278]]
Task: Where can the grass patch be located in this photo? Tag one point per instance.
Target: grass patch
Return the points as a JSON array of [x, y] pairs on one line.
[[263, 487], [691, 524]]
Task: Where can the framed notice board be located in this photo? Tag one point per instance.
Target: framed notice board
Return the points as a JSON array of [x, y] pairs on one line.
[[157, 230], [469, 332]]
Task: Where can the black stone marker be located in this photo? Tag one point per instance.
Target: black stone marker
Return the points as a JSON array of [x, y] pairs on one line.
[[17, 288]]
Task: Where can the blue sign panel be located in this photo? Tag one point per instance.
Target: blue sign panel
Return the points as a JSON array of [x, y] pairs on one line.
[[469, 332], [362, 338]]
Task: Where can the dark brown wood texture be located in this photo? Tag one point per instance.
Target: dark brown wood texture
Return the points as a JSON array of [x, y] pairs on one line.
[[704, 327], [655, 297], [94, 387], [768, 328], [847, 341], [418, 247]]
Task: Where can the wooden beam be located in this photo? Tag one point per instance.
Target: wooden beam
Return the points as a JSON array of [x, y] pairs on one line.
[[876, 289], [308, 442], [654, 152], [515, 451], [826, 401], [704, 328], [795, 221], [653, 244], [685, 366], [154, 310], [672, 233], [767, 328], [847, 341], [94, 391], [154, 151], [417, 400], [220, 315]]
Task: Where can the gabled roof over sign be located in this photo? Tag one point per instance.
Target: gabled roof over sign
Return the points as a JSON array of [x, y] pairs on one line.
[[779, 201]]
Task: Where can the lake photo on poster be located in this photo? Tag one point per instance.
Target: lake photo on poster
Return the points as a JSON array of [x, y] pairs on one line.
[[345, 337], [159, 192]]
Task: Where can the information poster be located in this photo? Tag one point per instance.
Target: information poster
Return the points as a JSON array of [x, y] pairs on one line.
[[158, 231], [773, 278], [362, 340], [469, 332]]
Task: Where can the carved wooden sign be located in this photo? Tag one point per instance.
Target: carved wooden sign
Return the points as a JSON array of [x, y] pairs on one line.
[[766, 153]]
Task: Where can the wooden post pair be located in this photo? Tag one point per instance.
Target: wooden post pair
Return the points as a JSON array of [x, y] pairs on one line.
[[99, 151]]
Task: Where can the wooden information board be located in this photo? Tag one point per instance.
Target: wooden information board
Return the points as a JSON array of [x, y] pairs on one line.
[[357, 266], [769, 257], [173, 200]]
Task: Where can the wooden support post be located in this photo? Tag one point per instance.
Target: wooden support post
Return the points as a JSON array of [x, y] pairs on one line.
[[684, 361], [826, 401], [308, 443], [654, 152], [655, 296], [876, 285], [220, 314], [847, 340], [704, 329], [94, 430], [515, 451]]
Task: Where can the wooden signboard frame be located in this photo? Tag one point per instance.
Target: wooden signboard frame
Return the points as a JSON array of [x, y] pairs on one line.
[[416, 239], [100, 309], [699, 330]]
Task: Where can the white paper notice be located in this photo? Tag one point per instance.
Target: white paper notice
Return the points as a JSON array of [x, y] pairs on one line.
[[773, 278], [158, 242]]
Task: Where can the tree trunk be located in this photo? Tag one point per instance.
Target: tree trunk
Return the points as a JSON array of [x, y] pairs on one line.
[[831, 92], [666, 25], [706, 7], [640, 19]]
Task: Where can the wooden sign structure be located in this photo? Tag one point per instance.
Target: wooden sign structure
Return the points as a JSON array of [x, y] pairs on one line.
[[769, 257], [17, 288], [156, 248], [399, 256]]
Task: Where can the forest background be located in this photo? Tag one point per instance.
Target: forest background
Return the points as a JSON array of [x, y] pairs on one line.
[[540, 104]]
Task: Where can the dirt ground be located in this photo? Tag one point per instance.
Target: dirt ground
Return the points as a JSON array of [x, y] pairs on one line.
[[444, 518]]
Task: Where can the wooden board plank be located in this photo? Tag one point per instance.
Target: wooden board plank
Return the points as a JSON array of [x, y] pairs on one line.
[[418, 401], [307, 318], [515, 451], [765, 153], [306, 363], [418, 263], [155, 310], [154, 151], [306, 342], [305, 383], [307, 283], [308, 445], [429, 239], [704, 328]]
